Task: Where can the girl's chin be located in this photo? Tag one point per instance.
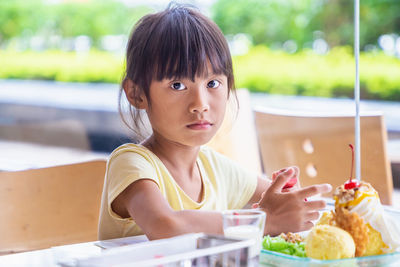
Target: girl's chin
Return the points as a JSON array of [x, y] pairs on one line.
[[198, 141], [190, 140]]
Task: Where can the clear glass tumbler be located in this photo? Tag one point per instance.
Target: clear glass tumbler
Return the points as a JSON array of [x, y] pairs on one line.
[[245, 224]]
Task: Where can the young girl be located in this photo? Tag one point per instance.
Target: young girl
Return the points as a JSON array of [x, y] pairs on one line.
[[179, 71]]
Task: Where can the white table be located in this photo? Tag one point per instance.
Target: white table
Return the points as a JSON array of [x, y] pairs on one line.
[[51, 256], [180, 249]]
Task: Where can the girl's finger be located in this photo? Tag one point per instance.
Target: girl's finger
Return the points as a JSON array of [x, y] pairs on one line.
[[276, 173], [314, 190], [281, 179], [296, 171], [307, 226], [315, 204], [312, 216], [297, 175]]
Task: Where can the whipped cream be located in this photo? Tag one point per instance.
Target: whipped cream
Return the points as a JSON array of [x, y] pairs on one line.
[[367, 205]]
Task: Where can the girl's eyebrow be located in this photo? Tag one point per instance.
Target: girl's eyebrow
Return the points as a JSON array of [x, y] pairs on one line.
[[212, 74], [215, 75]]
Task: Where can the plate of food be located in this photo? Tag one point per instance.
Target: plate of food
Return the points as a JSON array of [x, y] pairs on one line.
[[357, 231]]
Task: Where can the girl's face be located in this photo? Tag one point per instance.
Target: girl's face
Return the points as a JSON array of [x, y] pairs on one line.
[[187, 112]]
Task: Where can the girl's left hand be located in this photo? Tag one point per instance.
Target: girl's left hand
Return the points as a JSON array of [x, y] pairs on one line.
[[292, 185], [294, 182]]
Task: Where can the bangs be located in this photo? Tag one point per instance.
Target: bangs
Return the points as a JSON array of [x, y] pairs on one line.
[[181, 47]]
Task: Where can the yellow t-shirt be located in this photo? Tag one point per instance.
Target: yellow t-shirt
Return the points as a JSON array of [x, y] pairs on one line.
[[226, 185]]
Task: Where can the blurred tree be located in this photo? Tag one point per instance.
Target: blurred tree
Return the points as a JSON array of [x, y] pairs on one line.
[[271, 21], [379, 17], [376, 18], [94, 18], [267, 21], [19, 16]]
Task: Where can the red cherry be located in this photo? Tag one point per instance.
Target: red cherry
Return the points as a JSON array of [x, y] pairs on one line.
[[351, 185], [290, 183]]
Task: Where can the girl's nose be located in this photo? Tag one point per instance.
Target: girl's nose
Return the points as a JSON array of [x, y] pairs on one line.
[[199, 103]]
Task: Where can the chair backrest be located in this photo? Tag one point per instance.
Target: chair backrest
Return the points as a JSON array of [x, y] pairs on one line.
[[45, 207], [318, 144], [237, 137]]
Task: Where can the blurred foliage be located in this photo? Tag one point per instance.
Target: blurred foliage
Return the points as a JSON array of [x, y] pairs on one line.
[[267, 21], [94, 66], [18, 16], [272, 21], [306, 73], [94, 18], [261, 70]]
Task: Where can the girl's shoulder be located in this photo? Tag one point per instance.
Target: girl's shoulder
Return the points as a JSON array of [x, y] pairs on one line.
[[129, 147], [133, 151]]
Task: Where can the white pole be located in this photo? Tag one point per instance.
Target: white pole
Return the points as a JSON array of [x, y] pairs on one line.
[[357, 87]]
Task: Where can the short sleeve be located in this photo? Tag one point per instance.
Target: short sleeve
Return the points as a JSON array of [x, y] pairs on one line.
[[126, 168], [239, 183]]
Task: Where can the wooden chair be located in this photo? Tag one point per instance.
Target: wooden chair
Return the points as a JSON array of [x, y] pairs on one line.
[[318, 144], [45, 207], [237, 137]]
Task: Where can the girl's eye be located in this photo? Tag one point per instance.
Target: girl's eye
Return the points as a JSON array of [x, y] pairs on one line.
[[178, 86], [213, 84]]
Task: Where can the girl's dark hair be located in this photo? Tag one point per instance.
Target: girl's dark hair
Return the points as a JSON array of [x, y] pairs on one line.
[[178, 42]]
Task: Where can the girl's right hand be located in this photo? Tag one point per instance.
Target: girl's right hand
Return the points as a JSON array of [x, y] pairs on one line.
[[288, 211]]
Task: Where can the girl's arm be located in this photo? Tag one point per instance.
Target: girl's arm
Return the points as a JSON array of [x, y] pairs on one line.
[[263, 184], [143, 201]]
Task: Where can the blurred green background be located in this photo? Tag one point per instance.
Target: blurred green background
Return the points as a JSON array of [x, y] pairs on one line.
[[293, 47]]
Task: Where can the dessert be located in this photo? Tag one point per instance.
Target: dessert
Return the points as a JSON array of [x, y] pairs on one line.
[[357, 227], [359, 212], [326, 242]]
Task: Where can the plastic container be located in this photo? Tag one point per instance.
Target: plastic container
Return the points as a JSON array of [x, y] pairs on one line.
[[185, 250]]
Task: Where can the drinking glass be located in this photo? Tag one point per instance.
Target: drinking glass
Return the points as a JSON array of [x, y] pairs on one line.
[[245, 224]]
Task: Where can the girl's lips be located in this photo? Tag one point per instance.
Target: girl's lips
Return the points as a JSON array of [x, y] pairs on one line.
[[199, 126]]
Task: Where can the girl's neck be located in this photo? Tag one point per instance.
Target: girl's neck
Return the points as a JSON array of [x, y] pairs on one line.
[[173, 155]]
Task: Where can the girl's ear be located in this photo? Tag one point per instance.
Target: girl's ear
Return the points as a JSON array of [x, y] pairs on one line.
[[134, 95]]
